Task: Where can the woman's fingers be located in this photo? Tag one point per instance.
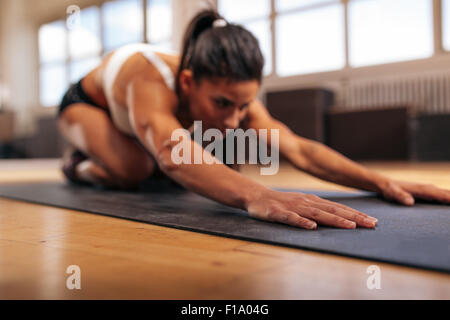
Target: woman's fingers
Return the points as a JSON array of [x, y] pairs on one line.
[[361, 220], [325, 218], [430, 192], [395, 192], [342, 206], [307, 211], [291, 218]]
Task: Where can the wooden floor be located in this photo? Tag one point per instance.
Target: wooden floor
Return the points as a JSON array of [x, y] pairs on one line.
[[122, 259]]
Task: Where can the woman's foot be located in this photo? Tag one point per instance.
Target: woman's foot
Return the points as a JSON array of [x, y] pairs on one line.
[[71, 159]]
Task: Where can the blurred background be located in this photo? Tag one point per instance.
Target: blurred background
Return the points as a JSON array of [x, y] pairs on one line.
[[370, 78]]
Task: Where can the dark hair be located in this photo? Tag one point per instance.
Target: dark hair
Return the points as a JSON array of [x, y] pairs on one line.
[[228, 51]]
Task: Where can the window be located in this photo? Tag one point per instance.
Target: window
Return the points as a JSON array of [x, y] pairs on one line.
[[254, 15], [53, 79], [52, 56], [283, 5], [84, 38], [159, 24], [123, 23], [310, 35], [52, 42], [237, 10], [85, 44], [446, 24], [261, 30], [382, 31], [79, 68], [310, 40], [68, 51]]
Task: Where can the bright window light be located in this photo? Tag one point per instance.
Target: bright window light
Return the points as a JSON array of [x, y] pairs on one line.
[[84, 39], [53, 84], [283, 5], [384, 31], [310, 41], [446, 23], [52, 42], [261, 30], [241, 10], [79, 68], [123, 23], [159, 20]]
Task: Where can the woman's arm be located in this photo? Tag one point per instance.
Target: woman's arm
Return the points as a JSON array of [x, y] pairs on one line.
[[323, 162], [151, 107], [153, 121]]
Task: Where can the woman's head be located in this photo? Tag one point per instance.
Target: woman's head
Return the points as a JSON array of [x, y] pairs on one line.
[[220, 70]]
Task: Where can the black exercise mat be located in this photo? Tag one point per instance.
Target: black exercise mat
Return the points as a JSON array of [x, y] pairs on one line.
[[416, 236]]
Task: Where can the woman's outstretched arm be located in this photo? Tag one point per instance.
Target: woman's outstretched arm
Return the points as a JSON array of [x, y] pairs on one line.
[[323, 162]]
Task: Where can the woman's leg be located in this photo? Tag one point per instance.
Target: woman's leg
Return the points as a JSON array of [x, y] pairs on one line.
[[114, 159]]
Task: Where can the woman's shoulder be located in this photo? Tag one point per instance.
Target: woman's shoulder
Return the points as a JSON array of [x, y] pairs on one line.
[[145, 61], [169, 56]]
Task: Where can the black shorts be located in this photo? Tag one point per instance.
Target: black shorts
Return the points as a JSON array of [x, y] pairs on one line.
[[76, 94]]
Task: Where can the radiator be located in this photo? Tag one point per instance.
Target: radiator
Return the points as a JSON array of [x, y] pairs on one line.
[[423, 93]]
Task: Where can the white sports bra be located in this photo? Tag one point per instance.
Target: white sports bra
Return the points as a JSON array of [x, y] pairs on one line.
[[119, 114]]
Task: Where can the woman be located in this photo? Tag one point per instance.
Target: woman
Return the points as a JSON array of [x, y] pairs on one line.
[[121, 116]]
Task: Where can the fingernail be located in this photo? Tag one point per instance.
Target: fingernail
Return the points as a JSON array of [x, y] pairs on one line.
[[312, 225], [351, 224], [370, 221]]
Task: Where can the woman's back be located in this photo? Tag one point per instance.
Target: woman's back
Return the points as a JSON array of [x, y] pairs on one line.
[[108, 83]]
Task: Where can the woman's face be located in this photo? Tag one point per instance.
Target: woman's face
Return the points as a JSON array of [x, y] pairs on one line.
[[217, 103]]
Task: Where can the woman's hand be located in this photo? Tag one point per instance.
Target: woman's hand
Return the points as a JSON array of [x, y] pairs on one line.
[[405, 192], [306, 211]]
